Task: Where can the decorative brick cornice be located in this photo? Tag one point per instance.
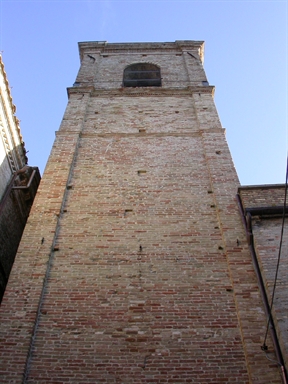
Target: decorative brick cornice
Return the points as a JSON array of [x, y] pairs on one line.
[[137, 135], [177, 46], [145, 91]]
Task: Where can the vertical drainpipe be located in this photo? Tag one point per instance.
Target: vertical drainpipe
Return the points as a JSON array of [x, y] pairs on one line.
[[247, 222]]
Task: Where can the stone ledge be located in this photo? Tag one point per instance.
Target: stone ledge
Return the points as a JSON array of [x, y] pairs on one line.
[[146, 91]]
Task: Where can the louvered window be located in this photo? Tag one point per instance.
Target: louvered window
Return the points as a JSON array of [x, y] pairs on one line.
[[142, 75]]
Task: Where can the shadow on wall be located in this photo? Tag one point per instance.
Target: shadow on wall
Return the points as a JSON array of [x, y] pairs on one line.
[[18, 191]]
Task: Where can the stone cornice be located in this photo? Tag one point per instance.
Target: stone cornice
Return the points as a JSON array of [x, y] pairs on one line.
[[177, 46], [13, 107], [10, 101], [12, 122]]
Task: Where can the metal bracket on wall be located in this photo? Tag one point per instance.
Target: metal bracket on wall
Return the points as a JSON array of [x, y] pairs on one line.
[[29, 182]]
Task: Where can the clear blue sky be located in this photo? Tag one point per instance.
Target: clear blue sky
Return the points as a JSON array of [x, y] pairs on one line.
[[245, 58]]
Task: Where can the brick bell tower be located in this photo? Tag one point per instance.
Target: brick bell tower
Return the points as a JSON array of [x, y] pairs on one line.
[[134, 267]]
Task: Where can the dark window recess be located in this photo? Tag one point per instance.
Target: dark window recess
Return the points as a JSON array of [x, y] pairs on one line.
[[142, 75]]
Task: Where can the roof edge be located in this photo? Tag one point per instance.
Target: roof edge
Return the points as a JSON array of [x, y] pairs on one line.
[[178, 45]]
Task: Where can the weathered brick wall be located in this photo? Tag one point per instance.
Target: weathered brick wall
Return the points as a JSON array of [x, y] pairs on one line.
[[135, 274], [263, 196], [267, 235]]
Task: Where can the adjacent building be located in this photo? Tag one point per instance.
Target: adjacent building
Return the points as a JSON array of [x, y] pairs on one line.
[[18, 181], [264, 212]]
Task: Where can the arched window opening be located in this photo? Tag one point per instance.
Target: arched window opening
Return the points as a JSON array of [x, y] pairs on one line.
[[142, 75]]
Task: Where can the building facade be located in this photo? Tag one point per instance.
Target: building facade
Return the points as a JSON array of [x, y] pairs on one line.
[[264, 214], [16, 196], [134, 265]]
